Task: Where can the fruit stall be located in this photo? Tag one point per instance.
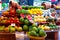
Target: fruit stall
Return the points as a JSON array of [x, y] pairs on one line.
[[27, 19]]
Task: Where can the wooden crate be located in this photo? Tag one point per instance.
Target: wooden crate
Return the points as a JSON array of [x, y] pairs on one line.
[[7, 36]]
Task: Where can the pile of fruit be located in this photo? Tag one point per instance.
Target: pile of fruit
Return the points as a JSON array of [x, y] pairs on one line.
[[9, 20], [22, 11], [37, 32], [35, 11], [24, 20], [39, 19], [10, 28], [31, 7], [48, 27], [44, 27]]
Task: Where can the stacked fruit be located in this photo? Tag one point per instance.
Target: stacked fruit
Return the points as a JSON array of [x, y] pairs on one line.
[[53, 26], [39, 19], [37, 32], [3, 19], [35, 11], [44, 27], [30, 7], [22, 11], [48, 27], [10, 28], [9, 20]]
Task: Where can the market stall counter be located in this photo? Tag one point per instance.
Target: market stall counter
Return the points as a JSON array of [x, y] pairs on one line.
[[52, 35], [7, 36]]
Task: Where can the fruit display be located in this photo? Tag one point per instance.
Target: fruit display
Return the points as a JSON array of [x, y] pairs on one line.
[[53, 26], [48, 27], [35, 11], [2, 28], [25, 28], [25, 18], [58, 7], [10, 28], [32, 7], [37, 32], [39, 19], [44, 27], [22, 11]]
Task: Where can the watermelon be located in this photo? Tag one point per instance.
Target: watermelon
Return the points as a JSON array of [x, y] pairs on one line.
[[42, 33]]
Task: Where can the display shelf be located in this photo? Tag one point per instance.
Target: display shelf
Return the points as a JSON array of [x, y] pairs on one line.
[[41, 23]]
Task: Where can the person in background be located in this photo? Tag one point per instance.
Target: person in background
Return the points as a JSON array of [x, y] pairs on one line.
[[49, 10], [53, 11], [46, 11]]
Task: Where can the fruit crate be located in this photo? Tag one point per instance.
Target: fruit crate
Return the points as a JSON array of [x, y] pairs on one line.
[[37, 38], [7, 36]]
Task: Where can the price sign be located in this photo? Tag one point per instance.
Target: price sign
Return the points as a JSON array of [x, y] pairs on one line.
[[13, 24]]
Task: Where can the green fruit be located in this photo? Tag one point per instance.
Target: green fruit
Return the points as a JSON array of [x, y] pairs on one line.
[[2, 28], [39, 28], [42, 33], [37, 35], [34, 25], [26, 22], [30, 28], [18, 11], [22, 19], [28, 33], [25, 28], [32, 33], [19, 29], [12, 29], [35, 29]]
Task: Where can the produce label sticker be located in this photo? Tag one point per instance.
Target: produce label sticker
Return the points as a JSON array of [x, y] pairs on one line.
[[13, 24]]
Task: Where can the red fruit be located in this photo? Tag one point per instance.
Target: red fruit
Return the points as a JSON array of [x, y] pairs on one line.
[[29, 17], [11, 18], [12, 11], [11, 21], [17, 20], [22, 15], [8, 21]]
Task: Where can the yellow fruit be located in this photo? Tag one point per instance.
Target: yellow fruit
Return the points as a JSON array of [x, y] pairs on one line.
[[46, 28]]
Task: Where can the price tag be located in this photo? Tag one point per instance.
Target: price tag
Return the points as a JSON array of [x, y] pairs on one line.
[[12, 24]]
